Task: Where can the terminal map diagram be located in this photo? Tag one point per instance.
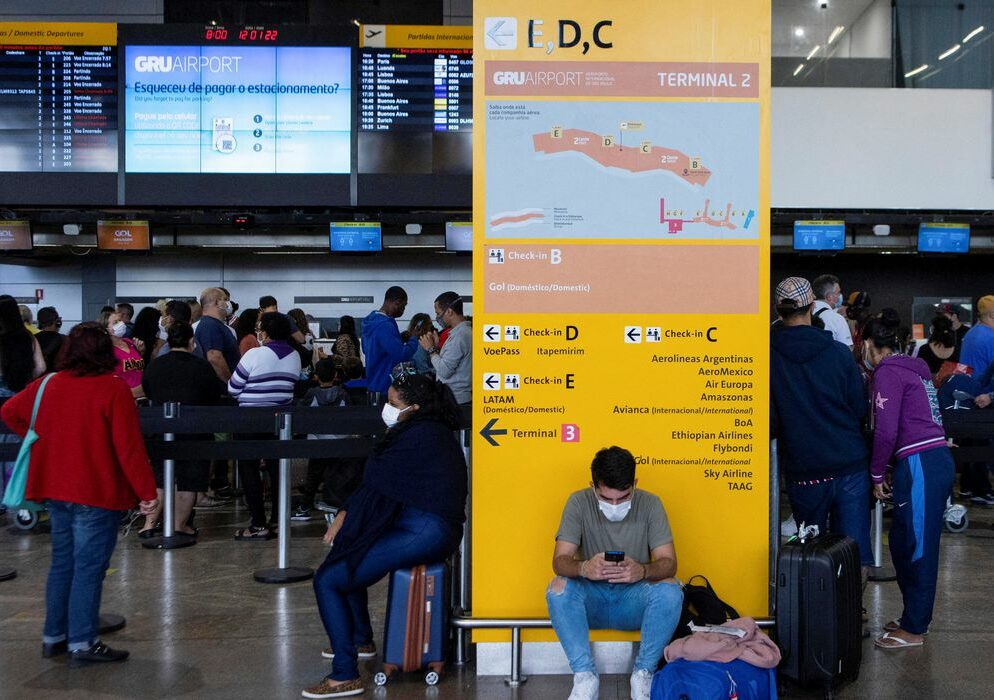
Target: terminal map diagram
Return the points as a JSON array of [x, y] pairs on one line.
[[679, 170]]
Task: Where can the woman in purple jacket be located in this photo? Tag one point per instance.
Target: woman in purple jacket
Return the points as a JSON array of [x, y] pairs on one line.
[[908, 434]]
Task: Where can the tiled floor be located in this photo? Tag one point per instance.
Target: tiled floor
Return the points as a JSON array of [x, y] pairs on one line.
[[200, 627]]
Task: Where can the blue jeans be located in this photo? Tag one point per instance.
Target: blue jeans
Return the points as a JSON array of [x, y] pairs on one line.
[[652, 608], [922, 483], [841, 505], [417, 537], [83, 539]]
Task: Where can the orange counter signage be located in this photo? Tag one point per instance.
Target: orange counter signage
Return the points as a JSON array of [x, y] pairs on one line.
[[123, 235], [15, 235]]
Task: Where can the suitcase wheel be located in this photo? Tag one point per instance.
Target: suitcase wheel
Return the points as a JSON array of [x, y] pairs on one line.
[[431, 678], [380, 679], [26, 519]]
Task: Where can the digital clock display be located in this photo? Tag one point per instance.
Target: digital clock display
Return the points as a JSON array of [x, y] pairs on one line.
[[258, 35]]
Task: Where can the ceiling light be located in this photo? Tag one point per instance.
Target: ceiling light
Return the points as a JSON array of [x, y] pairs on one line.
[[916, 71], [949, 52], [798, 69], [972, 34], [813, 52], [799, 32], [835, 34]]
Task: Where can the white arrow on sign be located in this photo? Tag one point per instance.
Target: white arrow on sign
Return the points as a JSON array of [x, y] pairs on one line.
[[493, 33]]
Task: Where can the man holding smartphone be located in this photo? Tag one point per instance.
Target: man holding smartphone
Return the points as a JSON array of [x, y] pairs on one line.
[[614, 562]]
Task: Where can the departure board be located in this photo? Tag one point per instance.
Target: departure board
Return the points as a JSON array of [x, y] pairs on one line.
[[416, 90], [415, 115], [58, 101]]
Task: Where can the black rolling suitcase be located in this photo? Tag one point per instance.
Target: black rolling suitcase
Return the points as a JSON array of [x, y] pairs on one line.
[[819, 613]]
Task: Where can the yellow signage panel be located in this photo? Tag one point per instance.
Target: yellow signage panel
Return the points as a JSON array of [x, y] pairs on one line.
[[621, 277], [58, 34], [415, 36]]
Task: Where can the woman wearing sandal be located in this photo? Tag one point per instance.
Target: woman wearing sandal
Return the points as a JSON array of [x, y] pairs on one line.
[[409, 511], [908, 433]]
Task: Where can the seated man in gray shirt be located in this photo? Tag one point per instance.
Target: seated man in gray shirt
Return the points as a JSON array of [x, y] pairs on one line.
[[614, 562]]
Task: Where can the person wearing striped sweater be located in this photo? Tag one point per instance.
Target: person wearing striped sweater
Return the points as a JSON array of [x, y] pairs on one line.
[[265, 376]]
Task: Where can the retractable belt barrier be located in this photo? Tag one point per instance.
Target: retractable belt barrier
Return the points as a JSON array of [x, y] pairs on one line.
[[362, 426]]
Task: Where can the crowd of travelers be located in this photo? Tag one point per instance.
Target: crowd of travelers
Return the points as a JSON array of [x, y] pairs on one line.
[[872, 390]]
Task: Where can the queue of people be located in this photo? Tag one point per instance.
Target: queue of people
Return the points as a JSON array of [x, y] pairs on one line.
[[863, 417]]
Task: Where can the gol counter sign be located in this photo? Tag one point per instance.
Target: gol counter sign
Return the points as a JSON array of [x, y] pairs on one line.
[[621, 227], [122, 235]]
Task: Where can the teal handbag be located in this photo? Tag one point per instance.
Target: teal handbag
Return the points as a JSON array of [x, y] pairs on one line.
[[13, 496]]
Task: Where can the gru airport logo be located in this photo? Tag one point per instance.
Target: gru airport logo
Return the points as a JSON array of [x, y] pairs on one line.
[[501, 34], [187, 64]]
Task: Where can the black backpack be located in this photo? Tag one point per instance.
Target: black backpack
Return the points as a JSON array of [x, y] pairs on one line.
[[702, 606]]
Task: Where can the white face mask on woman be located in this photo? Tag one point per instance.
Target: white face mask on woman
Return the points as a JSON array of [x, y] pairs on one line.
[[391, 414], [119, 329]]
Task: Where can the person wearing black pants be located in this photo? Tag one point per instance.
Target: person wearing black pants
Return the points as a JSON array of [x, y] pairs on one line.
[[265, 376]]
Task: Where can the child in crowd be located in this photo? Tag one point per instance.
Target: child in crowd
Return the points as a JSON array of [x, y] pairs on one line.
[[341, 476]]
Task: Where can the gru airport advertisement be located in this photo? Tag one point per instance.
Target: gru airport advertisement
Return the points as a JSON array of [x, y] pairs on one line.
[[621, 275]]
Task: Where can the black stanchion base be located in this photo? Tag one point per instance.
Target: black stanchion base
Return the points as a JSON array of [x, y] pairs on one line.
[[177, 541], [291, 574], [7, 574], [881, 574], [111, 623]]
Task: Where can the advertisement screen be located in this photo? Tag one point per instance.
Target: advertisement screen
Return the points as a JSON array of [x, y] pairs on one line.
[[237, 109], [819, 235], [943, 238], [459, 236], [356, 237], [123, 235], [15, 235]]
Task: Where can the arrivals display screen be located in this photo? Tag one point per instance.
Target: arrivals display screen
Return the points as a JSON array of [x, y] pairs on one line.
[[459, 236], [58, 113], [819, 235], [356, 237], [237, 115], [415, 115], [943, 238]]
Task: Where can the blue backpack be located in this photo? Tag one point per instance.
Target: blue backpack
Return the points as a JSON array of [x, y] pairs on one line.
[[710, 680]]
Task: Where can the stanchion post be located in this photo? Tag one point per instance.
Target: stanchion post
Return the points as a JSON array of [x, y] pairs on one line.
[[284, 573], [169, 539], [464, 555], [516, 678], [879, 573]]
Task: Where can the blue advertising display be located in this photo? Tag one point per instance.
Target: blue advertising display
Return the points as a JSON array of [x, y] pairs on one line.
[[356, 237], [943, 238], [819, 235], [238, 109]]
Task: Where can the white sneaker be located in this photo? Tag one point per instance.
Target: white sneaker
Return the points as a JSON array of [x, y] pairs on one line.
[[641, 683], [586, 686]]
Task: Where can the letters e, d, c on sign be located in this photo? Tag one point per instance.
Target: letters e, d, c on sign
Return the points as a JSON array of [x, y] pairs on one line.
[[122, 235]]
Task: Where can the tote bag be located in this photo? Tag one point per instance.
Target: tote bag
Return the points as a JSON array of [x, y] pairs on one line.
[[13, 497]]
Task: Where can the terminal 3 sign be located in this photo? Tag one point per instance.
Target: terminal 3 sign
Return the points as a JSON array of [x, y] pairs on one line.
[[621, 276]]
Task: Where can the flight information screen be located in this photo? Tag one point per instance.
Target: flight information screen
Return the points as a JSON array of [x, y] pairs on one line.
[[58, 108], [416, 90], [415, 115]]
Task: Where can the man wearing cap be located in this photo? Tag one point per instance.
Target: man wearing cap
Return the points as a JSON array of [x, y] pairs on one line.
[[959, 328], [828, 300], [818, 407]]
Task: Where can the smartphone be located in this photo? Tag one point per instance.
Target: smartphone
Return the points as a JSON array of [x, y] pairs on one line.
[[614, 556]]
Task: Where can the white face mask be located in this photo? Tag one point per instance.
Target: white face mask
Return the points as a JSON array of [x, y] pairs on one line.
[[391, 414], [228, 308], [119, 329], [615, 512]]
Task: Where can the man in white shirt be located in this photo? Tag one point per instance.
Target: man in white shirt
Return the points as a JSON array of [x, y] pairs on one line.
[[828, 300]]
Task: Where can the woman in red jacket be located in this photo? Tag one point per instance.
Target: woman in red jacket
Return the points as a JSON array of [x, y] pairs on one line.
[[88, 465]]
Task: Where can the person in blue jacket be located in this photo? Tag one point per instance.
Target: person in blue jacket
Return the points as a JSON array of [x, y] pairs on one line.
[[383, 344], [818, 405]]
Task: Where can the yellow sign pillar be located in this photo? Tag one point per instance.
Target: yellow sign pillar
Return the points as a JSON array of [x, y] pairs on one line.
[[621, 275]]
